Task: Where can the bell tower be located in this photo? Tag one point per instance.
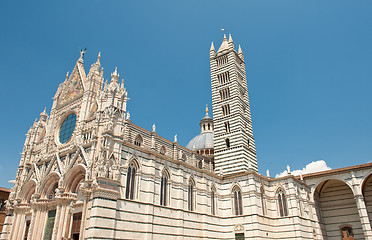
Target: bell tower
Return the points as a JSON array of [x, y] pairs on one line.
[[234, 146]]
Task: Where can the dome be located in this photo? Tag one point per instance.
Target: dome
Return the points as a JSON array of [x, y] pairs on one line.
[[202, 141]]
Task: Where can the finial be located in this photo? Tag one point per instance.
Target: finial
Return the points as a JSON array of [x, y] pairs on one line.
[[224, 37], [212, 47], [115, 75], [122, 83], [230, 38], [67, 75], [267, 173], [99, 57], [43, 115], [206, 109]]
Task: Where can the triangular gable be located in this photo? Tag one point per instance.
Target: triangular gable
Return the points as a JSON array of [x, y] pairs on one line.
[[74, 87]]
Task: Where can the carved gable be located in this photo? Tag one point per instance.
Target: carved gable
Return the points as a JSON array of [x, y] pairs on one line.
[[73, 88]]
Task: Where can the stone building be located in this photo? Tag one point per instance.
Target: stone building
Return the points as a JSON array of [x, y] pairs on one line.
[[4, 194], [88, 172]]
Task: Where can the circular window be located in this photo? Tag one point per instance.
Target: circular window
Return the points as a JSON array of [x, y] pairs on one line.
[[67, 128]]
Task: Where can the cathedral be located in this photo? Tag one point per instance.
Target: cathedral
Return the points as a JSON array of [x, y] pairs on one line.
[[88, 172]]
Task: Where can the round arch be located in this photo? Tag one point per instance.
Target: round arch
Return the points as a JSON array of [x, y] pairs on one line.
[[366, 188], [73, 177], [49, 185], [336, 207], [28, 190]]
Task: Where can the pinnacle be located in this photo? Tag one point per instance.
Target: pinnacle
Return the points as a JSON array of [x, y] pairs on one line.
[[240, 50], [230, 38], [212, 47], [99, 58]]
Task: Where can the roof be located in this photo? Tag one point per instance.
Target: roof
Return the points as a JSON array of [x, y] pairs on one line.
[[202, 141]]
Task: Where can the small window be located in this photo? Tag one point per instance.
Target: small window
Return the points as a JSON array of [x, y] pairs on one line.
[[164, 190], [227, 143], [163, 150], [282, 202], [238, 208], [138, 141], [191, 195], [184, 157], [131, 178], [227, 127], [213, 201], [239, 236]]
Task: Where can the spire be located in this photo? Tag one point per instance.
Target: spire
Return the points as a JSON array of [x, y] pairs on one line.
[[122, 84], [230, 38], [231, 42], [224, 45], [240, 50]]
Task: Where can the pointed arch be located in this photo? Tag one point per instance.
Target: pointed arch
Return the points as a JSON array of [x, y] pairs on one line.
[[131, 179], [164, 187], [163, 150], [237, 200], [138, 141], [282, 202], [191, 193], [213, 199]]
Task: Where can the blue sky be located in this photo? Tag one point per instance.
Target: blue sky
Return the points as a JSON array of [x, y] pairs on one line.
[[308, 63]]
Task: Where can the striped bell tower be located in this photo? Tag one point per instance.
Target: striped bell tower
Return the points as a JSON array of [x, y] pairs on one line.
[[234, 146]]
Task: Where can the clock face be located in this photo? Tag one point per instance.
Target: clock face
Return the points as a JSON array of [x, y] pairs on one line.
[[67, 128]]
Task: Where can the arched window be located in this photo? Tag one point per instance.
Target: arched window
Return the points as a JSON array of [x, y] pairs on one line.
[[263, 201], [138, 141], [163, 150], [213, 201], [131, 181], [191, 195], [282, 202], [164, 189], [238, 208], [227, 142]]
